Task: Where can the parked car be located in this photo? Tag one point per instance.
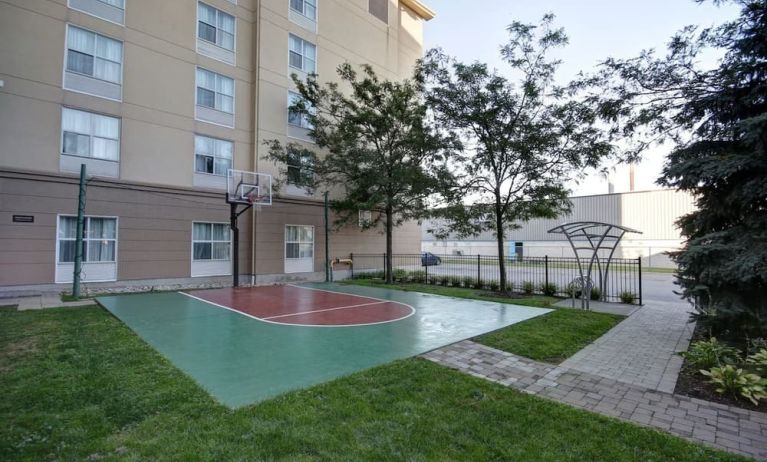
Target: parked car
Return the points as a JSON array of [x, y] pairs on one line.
[[429, 259]]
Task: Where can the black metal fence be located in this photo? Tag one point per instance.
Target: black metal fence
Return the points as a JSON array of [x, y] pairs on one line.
[[527, 275]]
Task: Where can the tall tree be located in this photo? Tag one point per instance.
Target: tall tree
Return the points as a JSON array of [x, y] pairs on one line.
[[716, 121], [524, 139], [376, 146]]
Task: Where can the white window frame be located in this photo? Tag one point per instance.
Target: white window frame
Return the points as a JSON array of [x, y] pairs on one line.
[[96, 36], [211, 242], [303, 42], [215, 26], [364, 218], [231, 161], [304, 118], [90, 135], [87, 239], [69, 5], [299, 242], [303, 13], [216, 92]]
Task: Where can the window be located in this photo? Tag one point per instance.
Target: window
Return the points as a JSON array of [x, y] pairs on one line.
[[94, 55], [210, 241], [294, 117], [302, 54], [86, 134], [215, 91], [364, 218], [379, 9], [212, 155], [299, 242], [307, 8], [215, 26], [300, 167], [99, 239], [115, 3]]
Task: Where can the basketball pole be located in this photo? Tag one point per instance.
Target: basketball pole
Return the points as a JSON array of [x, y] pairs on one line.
[[233, 216], [79, 238], [328, 274]]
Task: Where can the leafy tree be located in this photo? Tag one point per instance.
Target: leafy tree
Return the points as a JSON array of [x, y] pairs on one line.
[[717, 124], [524, 140], [378, 147]]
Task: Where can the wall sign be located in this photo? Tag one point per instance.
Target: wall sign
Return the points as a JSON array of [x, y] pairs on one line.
[[23, 218]]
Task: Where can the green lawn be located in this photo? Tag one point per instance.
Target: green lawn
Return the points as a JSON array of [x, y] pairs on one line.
[[540, 301], [79, 385], [552, 338]]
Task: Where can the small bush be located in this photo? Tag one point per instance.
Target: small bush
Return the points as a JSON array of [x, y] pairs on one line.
[[758, 361], [528, 287], [417, 276], [369, 275], [549, 289], [706, 354], [627, 297], [596, 293], [455, 281], [736, 382], [510, 287], [444, 281], [399, 274], [493, 286], [478, 284], [468, 282]]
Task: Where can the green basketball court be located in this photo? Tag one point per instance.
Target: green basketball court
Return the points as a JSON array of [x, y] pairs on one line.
[[249, 344]]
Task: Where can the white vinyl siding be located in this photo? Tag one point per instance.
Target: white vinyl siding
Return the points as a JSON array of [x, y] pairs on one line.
[[302, 55]]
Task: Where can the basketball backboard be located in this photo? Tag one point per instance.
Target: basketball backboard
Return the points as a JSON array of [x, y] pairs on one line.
[[243, 187]]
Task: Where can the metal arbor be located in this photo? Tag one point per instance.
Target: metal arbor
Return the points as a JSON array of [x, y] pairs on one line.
[[588, 238]]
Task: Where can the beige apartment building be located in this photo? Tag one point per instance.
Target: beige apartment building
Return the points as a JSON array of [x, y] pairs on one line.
[[159, 99]]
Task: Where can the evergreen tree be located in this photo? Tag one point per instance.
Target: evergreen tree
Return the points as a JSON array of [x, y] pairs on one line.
[[716, 121]]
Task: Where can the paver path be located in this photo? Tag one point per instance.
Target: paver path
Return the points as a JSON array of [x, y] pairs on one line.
[[724, 427], [641, 350]]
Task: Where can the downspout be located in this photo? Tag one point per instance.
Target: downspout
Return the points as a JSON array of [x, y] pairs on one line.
[[256, 96]]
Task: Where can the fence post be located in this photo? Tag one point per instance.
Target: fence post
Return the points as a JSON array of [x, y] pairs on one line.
[[546, 266], [426, 268], [351, 257], [479, 274], [639, 265]]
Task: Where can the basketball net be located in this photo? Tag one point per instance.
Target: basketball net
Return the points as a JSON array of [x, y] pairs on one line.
[[255, 201]]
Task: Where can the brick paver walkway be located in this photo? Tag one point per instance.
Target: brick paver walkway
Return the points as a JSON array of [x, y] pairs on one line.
[[641, 350], [724, 427]]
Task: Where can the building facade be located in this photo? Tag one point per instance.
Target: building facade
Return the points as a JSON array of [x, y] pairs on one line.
[[654, 213], [158, 100]]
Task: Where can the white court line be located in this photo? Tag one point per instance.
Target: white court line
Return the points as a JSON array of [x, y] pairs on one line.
[[380, 300], [320, 311]]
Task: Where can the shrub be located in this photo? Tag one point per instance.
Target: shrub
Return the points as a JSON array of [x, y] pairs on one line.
[[455, 281], [706, 354], [528, 287], [627, 297], [758, 361], [369, 275], [510, 287], [468, 282], [549, 289], [478, 284], [399, 274], [736, 382], [417, 276], [444, 281], [596, 293], [494, 286]]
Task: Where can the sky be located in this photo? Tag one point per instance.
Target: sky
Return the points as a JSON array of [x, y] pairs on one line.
[[473, 30]]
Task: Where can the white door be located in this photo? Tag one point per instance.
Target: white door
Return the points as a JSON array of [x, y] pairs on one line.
[[299, 249]]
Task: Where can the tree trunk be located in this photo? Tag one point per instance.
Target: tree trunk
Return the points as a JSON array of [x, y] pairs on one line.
[[500, 238], [389, 246]]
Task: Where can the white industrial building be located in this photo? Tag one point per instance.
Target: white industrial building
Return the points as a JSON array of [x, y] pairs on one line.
[[654, 213]]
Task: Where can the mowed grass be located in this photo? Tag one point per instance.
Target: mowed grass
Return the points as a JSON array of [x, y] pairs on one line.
[[552, 337], [540, 301], [78, 384]]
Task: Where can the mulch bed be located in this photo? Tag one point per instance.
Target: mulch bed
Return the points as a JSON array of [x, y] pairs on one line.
[[695, 385]]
